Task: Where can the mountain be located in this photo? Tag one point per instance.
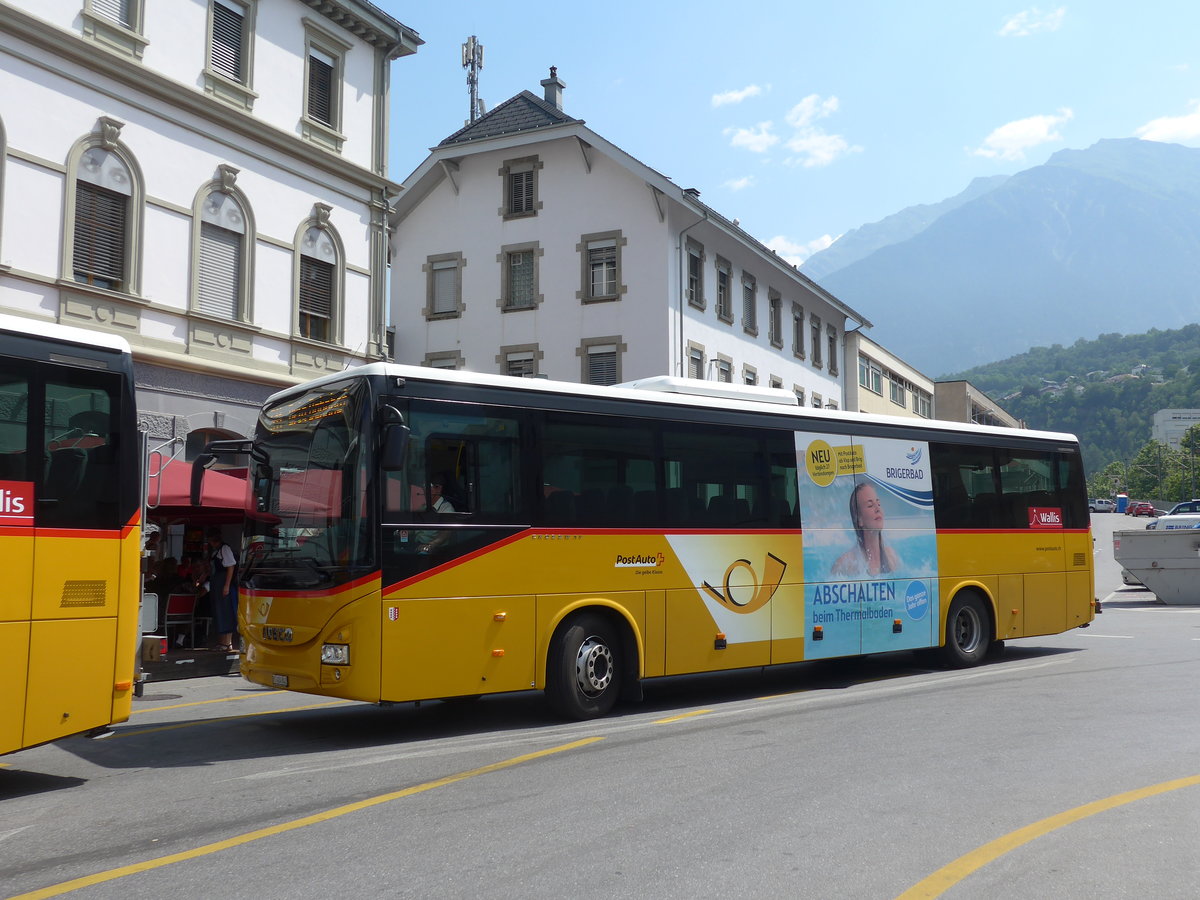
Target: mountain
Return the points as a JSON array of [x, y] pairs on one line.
[[1106, 391], [859, 243], [1100, 240]]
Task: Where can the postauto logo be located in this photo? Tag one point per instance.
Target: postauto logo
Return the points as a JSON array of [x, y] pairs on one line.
[[752, 596], [653, 559]]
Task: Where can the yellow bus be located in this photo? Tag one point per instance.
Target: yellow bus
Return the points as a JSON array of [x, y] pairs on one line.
[[70, 531], [421, 533]]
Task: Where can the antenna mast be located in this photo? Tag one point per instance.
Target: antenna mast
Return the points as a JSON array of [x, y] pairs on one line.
[[472, 60]]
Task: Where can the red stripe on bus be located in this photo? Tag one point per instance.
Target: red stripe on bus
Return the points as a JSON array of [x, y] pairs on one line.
[[83, 533], [327, 592]]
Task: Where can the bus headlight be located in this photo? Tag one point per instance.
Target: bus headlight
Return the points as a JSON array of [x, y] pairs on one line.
[[335, 654]]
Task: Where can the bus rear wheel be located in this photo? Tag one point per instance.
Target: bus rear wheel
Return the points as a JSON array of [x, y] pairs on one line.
[[968, 632], [583, 674]]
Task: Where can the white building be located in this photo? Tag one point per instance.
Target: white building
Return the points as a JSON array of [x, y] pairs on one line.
[[1170, 425], [886, 384], [527, 244], [206, 178]]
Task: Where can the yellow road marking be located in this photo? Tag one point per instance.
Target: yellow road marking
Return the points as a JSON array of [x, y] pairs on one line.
[[75, 884], [951, 874], [123, 733], [687, 715], [138, 712]]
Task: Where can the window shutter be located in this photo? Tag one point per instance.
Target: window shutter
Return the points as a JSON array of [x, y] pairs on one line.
[[320, 90], [99, 246], [445, 287], [602, 364], [316, 298], [116, 10], [520, 192], [220, 271], [227, 36]]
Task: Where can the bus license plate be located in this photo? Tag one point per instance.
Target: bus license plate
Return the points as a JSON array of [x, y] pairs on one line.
[[279, 680]]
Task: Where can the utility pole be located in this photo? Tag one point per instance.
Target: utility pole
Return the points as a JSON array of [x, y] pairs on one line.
[[472, 60]]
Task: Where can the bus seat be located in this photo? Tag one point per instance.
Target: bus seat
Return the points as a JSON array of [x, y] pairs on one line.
[[720, 510], [560, 508], [741, 511], [645, 507], [589, 508], [985, 511], [676, 502], [619, 504], [65, 471]]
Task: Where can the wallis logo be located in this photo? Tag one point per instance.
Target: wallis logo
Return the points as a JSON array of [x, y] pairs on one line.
[[742, 597]]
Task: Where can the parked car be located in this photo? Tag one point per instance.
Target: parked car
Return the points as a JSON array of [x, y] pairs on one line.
[[1141, 508], [1101, 504]]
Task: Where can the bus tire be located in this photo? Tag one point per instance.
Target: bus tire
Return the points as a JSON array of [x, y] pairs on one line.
[[583, 671], [968, 632]]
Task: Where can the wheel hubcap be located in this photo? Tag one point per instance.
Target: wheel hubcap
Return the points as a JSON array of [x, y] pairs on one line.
[[967, 631], [593, 666]]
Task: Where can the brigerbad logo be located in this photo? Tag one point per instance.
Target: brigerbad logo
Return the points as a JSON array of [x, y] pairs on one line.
[[751, 596], [639, 561]]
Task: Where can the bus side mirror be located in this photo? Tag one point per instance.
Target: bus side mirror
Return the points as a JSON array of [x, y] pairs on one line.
[[199, 464], [395, 447]]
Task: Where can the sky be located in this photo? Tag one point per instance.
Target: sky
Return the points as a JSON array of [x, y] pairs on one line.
[[804, 120]]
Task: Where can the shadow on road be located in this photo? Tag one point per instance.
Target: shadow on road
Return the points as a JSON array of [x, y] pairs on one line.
[[297, 731]]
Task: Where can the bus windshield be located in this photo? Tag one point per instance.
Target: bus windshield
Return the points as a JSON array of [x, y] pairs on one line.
[[310, 524]]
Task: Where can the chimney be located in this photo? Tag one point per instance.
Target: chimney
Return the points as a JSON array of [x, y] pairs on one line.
[[553, 87]]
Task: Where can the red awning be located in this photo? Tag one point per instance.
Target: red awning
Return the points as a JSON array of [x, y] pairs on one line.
[[169, 486]]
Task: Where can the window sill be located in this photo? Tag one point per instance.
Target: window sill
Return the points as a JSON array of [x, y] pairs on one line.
[[112, 36], [226, 89], [240, 324], [437, 317], [518, 215], [608, 298], [321, 134], [750, 330], [728, 320]]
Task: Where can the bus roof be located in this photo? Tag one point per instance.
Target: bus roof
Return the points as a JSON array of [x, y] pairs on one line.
[[67, 334], [668, 391]]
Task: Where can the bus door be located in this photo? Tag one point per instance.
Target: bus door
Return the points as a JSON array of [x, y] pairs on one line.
[[77, 553], [16, 548], [1031, 506], [458, 613]]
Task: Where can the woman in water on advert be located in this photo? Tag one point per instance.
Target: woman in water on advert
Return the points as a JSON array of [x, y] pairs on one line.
[[871, 556]]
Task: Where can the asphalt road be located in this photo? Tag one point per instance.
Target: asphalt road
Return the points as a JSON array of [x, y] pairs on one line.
[[1067, 768]]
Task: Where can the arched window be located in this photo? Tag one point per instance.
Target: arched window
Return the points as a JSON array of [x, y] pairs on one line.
[[320, 271], [223, 247], [102, 238]]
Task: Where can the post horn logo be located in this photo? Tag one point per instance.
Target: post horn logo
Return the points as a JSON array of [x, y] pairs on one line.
[[760, 592]]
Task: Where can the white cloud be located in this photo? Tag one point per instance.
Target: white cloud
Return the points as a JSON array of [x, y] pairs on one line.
[[796, 253], [1031, 21], [757, 139], [727, 97], [814, 147], [809, 144], [737, 184], [1184, 129], [810, 108], [1012, 140]]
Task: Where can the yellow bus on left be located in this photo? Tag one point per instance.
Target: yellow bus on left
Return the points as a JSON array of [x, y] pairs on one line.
[[70, 531]]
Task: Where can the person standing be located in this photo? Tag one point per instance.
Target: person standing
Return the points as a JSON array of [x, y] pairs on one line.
[[222, 583]]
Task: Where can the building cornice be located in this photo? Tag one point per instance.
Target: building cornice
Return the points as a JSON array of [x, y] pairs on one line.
[[370, 24], [60, 44]]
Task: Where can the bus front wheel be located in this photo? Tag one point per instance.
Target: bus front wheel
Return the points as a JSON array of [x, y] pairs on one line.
[[583, 675], [968, 632]]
